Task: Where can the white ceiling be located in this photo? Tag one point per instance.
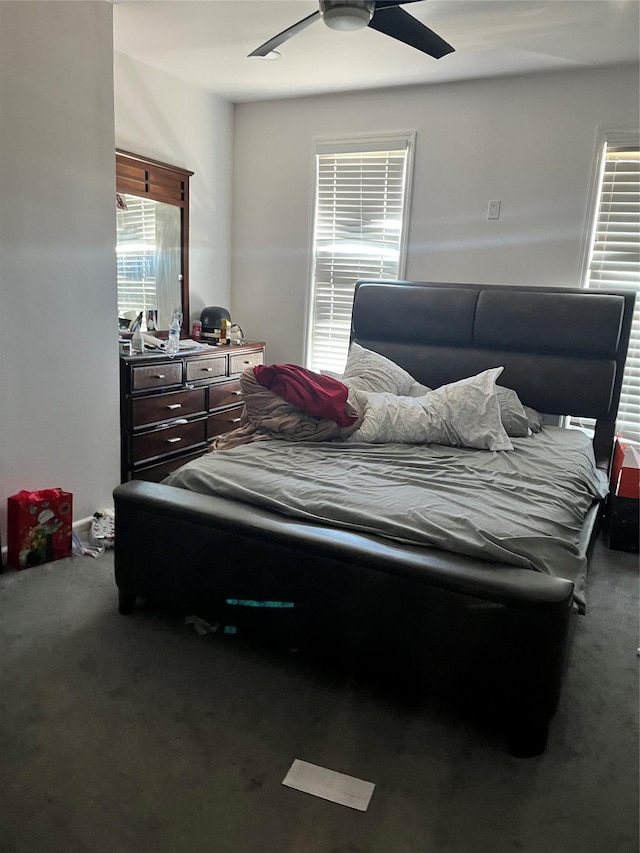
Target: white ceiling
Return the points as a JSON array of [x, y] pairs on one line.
[[206, 43]]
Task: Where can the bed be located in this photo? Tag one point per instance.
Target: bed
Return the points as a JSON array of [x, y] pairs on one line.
[[458, 558]]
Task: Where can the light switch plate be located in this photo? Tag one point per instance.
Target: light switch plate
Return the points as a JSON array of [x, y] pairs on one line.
[[493, 211]]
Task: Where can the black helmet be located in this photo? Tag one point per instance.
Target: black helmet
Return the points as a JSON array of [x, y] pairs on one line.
[[211, 318]]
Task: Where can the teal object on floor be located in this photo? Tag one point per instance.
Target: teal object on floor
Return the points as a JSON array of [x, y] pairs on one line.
[[246, 602]]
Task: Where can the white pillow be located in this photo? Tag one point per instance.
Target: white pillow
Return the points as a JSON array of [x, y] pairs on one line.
[[418, 390], [462, 414], [369, 371], [514, 418]]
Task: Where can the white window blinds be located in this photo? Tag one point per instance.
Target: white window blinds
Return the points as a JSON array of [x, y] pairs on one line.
[[136, 255], [615, 258], [361, 204]]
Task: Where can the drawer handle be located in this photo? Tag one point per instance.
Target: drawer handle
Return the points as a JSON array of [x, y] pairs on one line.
[[237, 393], [174, 406], [159, 376], [173, 440], [207, 369], [235, 420]]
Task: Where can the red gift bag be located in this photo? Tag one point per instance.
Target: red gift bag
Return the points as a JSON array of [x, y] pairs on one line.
[[38, 527]]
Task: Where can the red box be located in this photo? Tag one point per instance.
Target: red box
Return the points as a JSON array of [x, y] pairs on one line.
[[625, 472], [38, 527]]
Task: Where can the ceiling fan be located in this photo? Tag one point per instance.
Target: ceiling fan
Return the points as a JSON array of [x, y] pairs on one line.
[[386, 16]]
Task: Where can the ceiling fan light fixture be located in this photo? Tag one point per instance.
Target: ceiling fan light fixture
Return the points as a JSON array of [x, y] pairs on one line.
[[345, 16], [385, 16]]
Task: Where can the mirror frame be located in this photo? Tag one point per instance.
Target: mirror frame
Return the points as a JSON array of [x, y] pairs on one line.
[[152, 179]]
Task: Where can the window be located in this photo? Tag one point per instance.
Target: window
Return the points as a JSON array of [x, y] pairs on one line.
[[360, 222], [136, 254], [615, 254]]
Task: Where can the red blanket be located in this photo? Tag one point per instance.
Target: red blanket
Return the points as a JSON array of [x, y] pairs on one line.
[[317, 395]]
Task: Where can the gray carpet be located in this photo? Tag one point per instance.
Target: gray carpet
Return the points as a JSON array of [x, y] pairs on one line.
[[136, 734]]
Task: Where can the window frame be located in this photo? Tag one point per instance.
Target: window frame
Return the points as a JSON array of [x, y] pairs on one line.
[[616, 139], [355, 144]]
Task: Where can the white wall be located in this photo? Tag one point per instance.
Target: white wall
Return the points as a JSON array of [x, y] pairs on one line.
[[58, 349], [159, 116], [529, 141]]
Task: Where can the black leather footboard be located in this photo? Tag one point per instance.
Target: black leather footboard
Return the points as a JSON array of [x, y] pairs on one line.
[[405, 607]]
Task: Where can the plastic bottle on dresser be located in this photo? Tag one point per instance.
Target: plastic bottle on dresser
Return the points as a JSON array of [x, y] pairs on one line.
[[137, 341], [173, 341]]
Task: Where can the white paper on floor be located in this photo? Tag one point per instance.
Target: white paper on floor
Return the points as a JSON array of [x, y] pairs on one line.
[[329, 784]]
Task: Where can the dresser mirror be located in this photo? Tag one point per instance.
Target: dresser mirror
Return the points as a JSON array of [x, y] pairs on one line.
[[152, 242]]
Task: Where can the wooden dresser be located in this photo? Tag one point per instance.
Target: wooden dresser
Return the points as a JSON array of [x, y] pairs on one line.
[[171, 407]]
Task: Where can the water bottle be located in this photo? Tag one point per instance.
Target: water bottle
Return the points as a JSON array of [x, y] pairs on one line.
[[137, 342], [173, 341]]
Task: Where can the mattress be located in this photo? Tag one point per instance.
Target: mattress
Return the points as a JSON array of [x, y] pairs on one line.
[[524, 507]]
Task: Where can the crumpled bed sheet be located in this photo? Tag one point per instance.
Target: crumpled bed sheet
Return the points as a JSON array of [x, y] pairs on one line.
[[523, 508], [266, 416]]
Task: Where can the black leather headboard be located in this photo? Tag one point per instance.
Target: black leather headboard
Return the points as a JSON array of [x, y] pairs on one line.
[[563, 349]]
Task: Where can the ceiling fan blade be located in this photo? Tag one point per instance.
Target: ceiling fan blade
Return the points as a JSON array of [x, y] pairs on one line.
[[386, 4], [398, 24], [276, 41]]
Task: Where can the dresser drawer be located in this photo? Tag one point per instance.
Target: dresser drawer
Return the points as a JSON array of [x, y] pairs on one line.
[[161, 442], [166, 407], [223, 422], [157, 473], [239, 362], [156, 376], [226, 394], [206, 368]]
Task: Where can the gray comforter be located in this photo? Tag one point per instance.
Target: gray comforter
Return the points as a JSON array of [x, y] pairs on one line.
[[523, 508]]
